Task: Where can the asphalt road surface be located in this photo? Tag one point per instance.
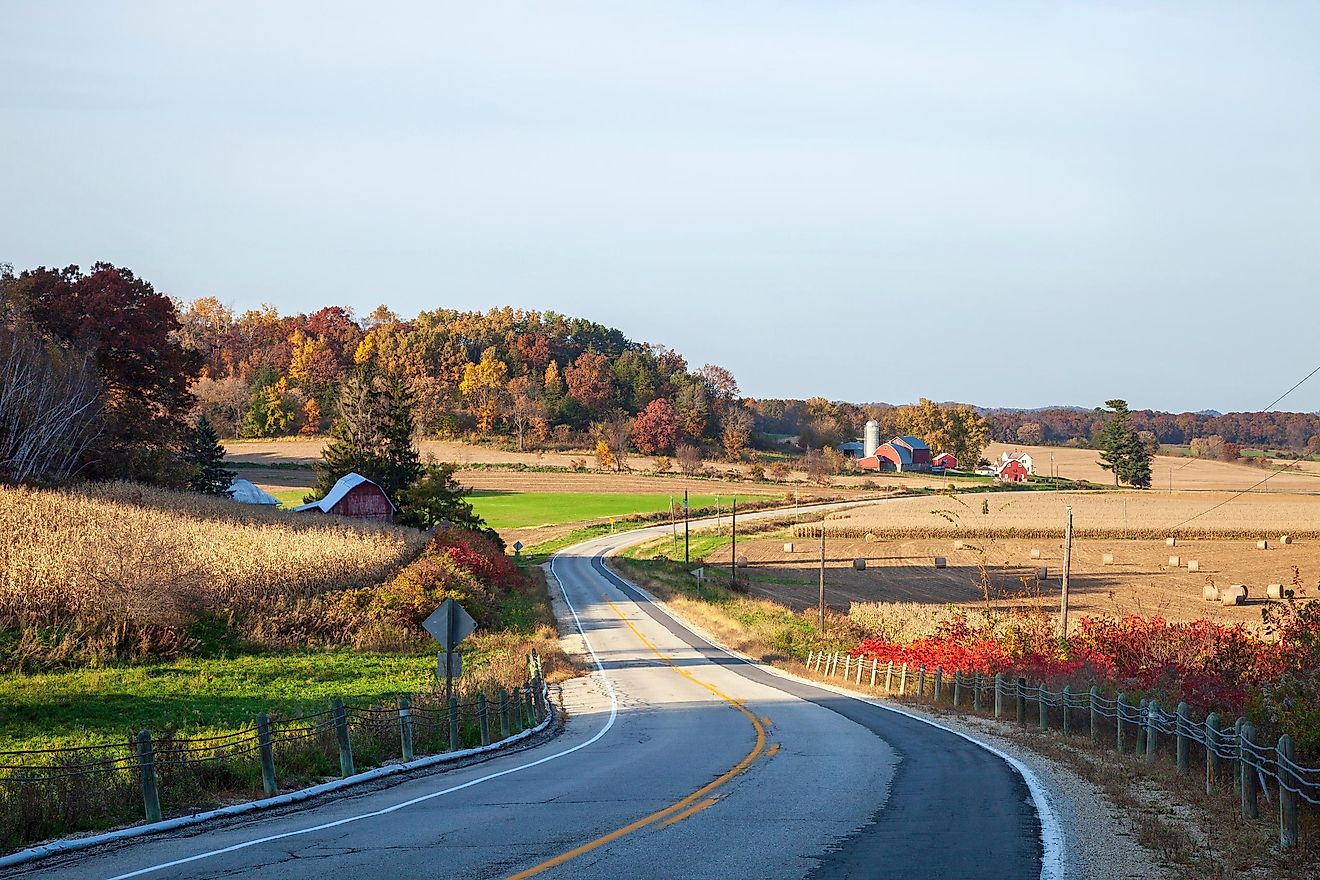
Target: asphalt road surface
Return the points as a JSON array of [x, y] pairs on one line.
[[678, 760]]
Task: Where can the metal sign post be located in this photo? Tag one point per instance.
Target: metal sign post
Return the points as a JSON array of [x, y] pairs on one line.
[[449, 624], [687, 556]]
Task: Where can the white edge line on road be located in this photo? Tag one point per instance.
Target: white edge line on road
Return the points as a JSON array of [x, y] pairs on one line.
[[1051, 831], [131, 832]]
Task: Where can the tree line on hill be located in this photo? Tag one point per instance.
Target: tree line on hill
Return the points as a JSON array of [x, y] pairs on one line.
[[106, 378]]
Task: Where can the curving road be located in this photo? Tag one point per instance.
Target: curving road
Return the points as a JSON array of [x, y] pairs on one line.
[[678, 760]]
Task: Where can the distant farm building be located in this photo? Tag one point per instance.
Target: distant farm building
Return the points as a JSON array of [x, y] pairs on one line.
[[945, 460], [851, 449], [1023, 457], [1012, 471], [356, 496], [901, 454], [249, 493]]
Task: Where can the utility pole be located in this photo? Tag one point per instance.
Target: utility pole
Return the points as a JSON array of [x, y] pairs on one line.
[[1067, 569], [733, 551], [719, 523], [820, 607], [686, 545], [673, 525]]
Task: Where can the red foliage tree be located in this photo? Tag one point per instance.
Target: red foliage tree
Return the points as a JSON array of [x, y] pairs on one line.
[[590, 381], [655, 429]]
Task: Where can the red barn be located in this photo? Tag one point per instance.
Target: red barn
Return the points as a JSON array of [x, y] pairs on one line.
[[900, 454], [1012, 471], [356, 496], [945, 460]]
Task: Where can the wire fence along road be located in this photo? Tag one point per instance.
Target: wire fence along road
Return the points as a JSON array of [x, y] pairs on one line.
[[52, 791], [1230, 753]]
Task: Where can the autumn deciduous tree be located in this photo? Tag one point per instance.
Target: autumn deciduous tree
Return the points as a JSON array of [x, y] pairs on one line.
[[132, 333], [311, 417], [1030, 434], [689, 459], [957, 430], [655, 429], [525, 405], [483, 385], [613, 437], [735, 431], [590, 381]]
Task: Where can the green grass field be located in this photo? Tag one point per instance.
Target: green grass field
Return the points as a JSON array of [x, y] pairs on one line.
[[511, 510]]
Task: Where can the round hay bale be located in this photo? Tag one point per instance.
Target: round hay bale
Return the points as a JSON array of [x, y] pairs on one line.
[[1193, 565], [1107, 559], [871, 538], [1043, 574], [1285, 539], [1234, 595], [941, 562], [1274, 591], [1175, 561], [788, 547], [1262, 545], [1172, 542], [1035, 554], [1210, 593], [742, 561], [859, 564]]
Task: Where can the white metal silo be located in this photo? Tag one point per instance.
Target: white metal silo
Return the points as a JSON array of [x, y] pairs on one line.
[[872, 437]]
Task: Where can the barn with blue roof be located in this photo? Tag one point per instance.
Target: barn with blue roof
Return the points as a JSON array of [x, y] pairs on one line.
[[902, 454]]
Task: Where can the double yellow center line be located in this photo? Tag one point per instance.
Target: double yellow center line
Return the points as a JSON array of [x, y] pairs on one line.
[[680, 809]]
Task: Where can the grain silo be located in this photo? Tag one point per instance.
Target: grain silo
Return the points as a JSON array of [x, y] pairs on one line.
[[872, 438]]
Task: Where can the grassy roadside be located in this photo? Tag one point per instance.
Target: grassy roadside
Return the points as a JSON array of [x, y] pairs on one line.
[[1193, 834], [211, 696]]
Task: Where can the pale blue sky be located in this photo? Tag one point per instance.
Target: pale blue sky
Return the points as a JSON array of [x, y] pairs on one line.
[[1100, 199]]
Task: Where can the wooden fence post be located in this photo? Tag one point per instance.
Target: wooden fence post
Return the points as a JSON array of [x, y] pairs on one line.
[[504, 714], [1119, 705], [902, 681], [976, 693], [1287, 800], [341, 735], [939, 683], [957, 687], [847, 665], [1067, 710], [921, 681], [889, 677], [1093, 699], [265, 745], [483, 719], [1184, 759], [861, 662], [1022, 701], [1212, 768], [1247, 764], [1152, 730], [147, 771], [406, 727], [875, 668], [454, 731], [1141, 728], [810, 654], [529, 706], [1042, 707], [999, 695], [1236, 761]]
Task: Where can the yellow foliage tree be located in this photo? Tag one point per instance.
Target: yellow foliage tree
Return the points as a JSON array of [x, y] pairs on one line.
[[311, 417], [958, 430], [483, 384], [604, 457], [366, 348]]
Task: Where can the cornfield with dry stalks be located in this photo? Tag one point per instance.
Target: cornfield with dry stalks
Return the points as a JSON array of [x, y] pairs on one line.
[[121, 570]]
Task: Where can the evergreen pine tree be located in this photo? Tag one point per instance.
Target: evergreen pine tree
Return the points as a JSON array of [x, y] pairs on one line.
[[1121, 450], [205, 460], [372, 435]]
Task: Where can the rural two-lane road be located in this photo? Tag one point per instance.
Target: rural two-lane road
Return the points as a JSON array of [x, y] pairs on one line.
[[678, 760]]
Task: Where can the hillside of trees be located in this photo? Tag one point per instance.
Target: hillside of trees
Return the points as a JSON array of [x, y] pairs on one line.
[[103, 377], [823, 422]]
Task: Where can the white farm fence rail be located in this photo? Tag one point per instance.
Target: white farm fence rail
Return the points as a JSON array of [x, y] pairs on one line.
[[1230, 753]]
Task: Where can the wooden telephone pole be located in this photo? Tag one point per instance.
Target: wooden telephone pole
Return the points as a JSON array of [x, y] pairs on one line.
[[820, 606], [1067, 569]]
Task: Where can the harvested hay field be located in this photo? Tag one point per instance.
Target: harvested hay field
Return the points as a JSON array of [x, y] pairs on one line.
[[1188, 474], [1147, 515], [1004, 573]]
